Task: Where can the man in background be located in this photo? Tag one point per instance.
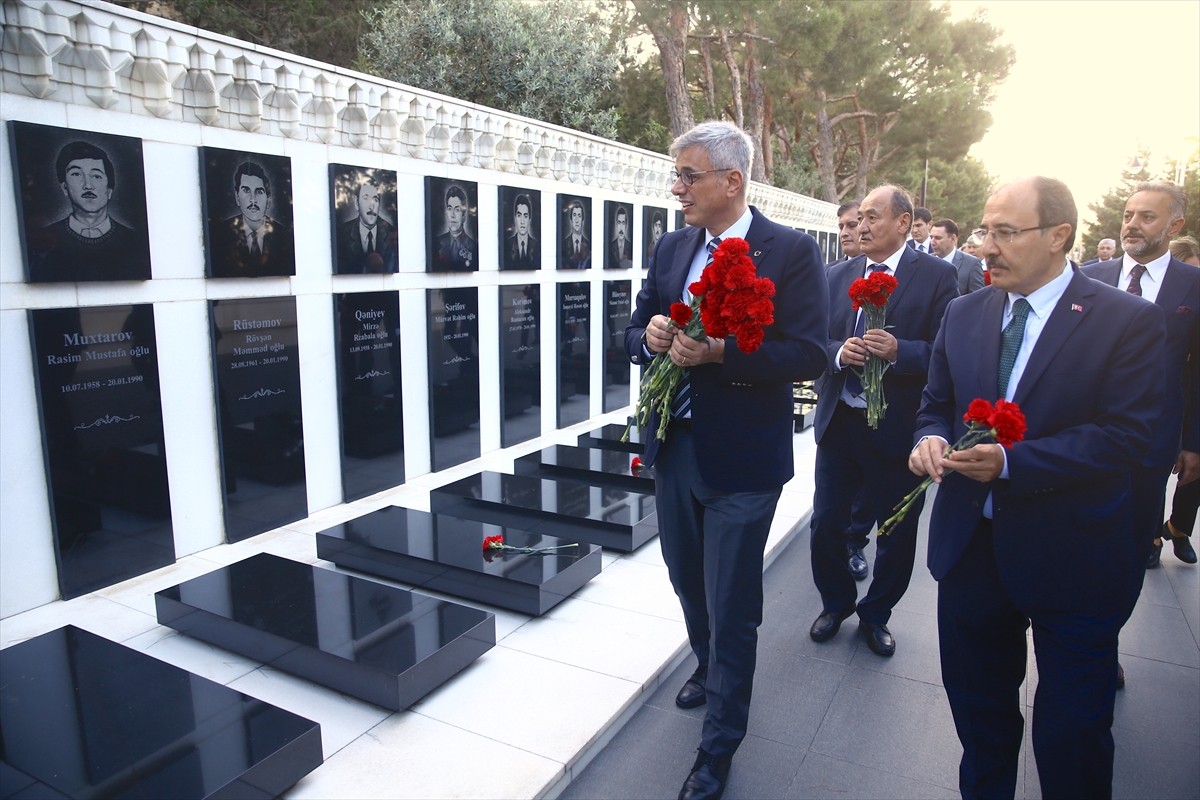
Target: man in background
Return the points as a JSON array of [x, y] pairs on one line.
[[1105, 251], [920, 230], [943, 237]]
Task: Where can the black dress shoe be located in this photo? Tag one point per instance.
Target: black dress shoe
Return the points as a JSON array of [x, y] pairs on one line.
[[826, 626], [858, 563], [879, 638], [1183, 547], [707, 778], [1155, 554], [692, 695]]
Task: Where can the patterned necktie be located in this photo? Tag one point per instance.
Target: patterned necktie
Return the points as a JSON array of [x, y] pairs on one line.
[[1010, 344], [1135, 280], [853, 382], [682, 403]]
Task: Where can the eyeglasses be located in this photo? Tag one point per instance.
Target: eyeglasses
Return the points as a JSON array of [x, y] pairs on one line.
[[1000, 233], [689, 178]]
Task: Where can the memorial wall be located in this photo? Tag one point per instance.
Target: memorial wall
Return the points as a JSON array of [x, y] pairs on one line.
[[238, 287]]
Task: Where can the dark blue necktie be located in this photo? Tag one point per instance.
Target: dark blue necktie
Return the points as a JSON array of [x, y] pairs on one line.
[[682, 403], [1010, 344], [853, 382]]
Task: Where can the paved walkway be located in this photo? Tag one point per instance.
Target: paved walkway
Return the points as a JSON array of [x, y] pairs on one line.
[[835, 720]]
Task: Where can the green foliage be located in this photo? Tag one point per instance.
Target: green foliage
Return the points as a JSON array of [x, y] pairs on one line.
[[553, 61], [324, 30], [956, 189]]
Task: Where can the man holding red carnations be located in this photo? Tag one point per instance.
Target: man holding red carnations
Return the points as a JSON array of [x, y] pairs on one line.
[[866, 408], [1083, 361], [726, 449]]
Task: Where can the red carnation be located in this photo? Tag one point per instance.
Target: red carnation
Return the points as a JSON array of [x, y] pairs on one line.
[[979, 411], [493, 542], [635, 464], [681, 314], [1007, 423]]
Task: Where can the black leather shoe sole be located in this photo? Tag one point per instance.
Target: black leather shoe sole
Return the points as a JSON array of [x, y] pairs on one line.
[[826, 626], [879, 639], [692, 695]]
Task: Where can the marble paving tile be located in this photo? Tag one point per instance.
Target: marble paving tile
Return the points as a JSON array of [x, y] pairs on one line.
[[99, 615], [634, 586], [193, 655]]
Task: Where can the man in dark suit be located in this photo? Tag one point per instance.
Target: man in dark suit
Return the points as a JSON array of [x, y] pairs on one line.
[[850, 454], [367, 242], [455, 250], [252, 244], [943, 237], [522, 249], [920, 230], [577, 247], [1083, 362], [620, 249], [1154, 214], [847, 215], [721, 468], [1105, 251]]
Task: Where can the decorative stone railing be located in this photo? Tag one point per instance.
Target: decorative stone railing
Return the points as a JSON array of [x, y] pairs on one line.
[[104, 56]]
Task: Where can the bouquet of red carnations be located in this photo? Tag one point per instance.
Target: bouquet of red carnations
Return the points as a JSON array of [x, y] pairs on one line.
[[1003, 421], [871, 294], [729, 299]]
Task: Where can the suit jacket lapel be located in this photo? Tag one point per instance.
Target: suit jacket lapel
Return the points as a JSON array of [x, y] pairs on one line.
[[1072, 307], [682, 262], [1173, 289], [1109, 271], [989, 346], [906, 273]]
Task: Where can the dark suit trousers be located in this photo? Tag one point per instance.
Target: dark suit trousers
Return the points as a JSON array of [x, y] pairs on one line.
[[1149, 505], [847, 461], [1184, 506], [981, 636], [713, 545]]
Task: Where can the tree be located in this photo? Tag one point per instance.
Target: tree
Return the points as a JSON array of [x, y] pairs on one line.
[[324, 30], [553, 61], [956, 189]]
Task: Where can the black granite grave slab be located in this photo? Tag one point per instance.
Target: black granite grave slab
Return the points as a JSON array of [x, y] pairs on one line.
[[453, 319], [520, 363], [574, 346], [608, 437], [590, 464], [84, 717], [618, 305], [569, 509], [446, 554], [98, 389], [386, 645]]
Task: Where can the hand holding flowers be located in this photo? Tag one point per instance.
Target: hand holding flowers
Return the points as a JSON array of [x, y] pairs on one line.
[[1003, 422], [871, 294]]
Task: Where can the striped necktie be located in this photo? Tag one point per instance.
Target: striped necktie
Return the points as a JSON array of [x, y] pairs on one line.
[[681, 406]]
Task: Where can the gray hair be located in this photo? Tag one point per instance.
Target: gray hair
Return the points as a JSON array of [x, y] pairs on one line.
[[1113, 242], [1177, 195], [727, 145]]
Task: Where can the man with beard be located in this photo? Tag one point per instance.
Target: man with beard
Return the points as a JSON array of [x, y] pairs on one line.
[[367, 242], [1153, 214], [88, 244], [850, 454], [1081, 361], [455, 250], [252, 244], [522, 250]]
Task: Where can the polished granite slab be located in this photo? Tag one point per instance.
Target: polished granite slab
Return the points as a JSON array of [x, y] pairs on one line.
[[608, 437], [385, 645], [85, 717], [591, 464], [445, 554], [613, 518]]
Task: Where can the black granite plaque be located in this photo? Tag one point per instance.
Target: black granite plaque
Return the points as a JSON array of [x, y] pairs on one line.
[[574, 232], [563, 507], [248, 214], [609, 437], [368, 352], [364, 219], [445, 554], [520, 228], [618, 306], [81, 716], [81, 197], [453, 375], [452, 231], [618, 235], [654, 225], [574, 349], [257, 363], [591, 464], [385, 645], [520, 363], [97, 371]]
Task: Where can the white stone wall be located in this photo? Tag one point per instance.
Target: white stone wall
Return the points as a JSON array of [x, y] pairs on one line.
[[97, 67]]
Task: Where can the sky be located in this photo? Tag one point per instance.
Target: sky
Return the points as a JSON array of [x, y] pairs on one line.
[[1093, 81]]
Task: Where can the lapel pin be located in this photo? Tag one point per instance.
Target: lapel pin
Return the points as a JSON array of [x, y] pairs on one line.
[[1076, 307], [757, 253]]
